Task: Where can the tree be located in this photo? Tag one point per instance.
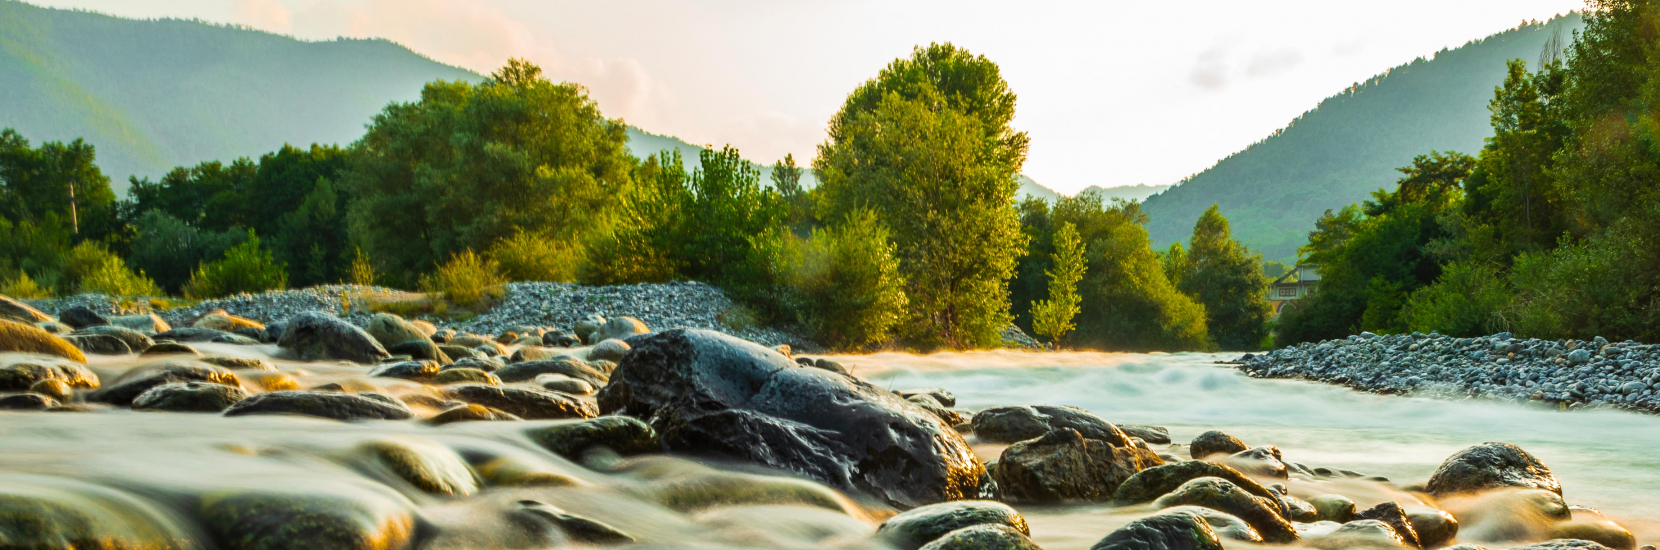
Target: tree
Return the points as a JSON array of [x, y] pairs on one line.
[[246, 268], [927, 146], [1227, 278], [1127, 302], [35, 183], [468, 165], [1053, 317], [786, 179], [846, 288]]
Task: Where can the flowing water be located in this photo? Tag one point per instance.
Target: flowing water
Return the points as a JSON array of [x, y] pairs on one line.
[[162, 479]]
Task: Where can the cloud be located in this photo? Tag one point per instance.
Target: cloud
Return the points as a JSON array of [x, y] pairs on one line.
[[269, 15], [1210, 72], [1270, 63]]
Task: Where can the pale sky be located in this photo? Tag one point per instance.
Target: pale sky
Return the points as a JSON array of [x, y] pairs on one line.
[[1111, 92]]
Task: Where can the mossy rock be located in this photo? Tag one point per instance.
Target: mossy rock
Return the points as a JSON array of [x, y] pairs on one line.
[[512, 472], [26, 402], [189, 397], [1152, 483], [13, 310], [465, 375], [983, 537], [337, 518], [54, 388], [135, 382], [1168, 531], [1222, 495], [239, 363], [1604, 532], [428, 466], [920, 526], [531, 404], [623, 434], [23, 372], [568, 366], [41, 512], [98, 344], [135, 340], [222, 320], [390, 330], [19, 337], [470, 413], [418, 371], [321, 404]]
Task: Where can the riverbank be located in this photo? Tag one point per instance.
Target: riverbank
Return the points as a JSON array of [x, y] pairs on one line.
[[1565, 373]]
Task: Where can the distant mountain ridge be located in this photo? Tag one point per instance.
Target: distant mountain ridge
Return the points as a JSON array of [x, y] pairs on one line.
[[1349, 145]]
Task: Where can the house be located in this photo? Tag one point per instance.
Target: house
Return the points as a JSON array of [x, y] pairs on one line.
[[1297, 284]]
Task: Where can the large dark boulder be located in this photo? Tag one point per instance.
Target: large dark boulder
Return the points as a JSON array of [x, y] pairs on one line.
[[1063, 466], [713, 395], [315, 336], [1020, 423], [1491, 466], [920, 526], [1169, 531], [339, 406]]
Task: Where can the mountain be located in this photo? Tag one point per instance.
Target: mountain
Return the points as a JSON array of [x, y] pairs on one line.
[[1138, 192], [1350, 145]]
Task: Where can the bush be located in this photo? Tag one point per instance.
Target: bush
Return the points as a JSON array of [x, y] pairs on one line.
[[24, 288], [95, 269], [1466, 301], [245, 268], [361, 271], [846, 286], [466, 280], [167, 248], [530, 257]]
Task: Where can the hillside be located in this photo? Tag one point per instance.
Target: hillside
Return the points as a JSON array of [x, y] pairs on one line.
[[1349, 145]]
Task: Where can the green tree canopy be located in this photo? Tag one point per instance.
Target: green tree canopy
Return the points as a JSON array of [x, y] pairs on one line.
[[35, 184], [1227, 278]]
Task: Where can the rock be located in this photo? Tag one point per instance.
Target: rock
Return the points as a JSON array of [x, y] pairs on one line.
[[99, 344], [193, 335], [1301, 511], [480, 363], [608, 350], [622, 434], [568, 366], [940, 395], [239, 363], [313, 515], [579, 529], [457, 353], [1157, 435], [588, 326], [52, 387], [26, 402], [1564, 544], [828, 365], [136, 341], [619, 328], [1171, 531], [255, 334], [13, 310], [1011, 424], [1063, 466], [1261, 461], [1336, 508], [564, 384], [15, 336], [317, 336], [24, 374], [1393, 515], [80, 317], [422, 349], [1226, 526], [135, 382], [531, 404], [948, 416], [1435, 528], [922, 525], [983, 537], [419, 371], [1262, 514], [170, 347], [1491, 466], [1152, 483], [1604, 532], [712, 395], [223, 321], [189, 397], [535, 353], [1362, 534], [1214, 443], [390, 330], [430, 467], [148, 323], [339, 406], [465, 376], [471, 413]]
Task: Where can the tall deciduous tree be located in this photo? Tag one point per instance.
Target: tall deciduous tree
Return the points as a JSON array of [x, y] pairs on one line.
[[1052, 318], [1227, 278], [927, 145]]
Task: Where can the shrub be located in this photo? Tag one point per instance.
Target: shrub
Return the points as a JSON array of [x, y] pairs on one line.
[[95, 269], [361, 271], [245, 268], [530, 257], [1466, 301], [1053, 317], [466, 280], [846, 285], [24, 288]]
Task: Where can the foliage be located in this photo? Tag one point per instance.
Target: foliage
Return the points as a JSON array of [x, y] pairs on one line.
[[246, 268], [927, 146], [466, 280], [529, 257], [23, 287], [1227, 278], [167, 248], [1468, 300], [468, 165], [362, 271], [93, 268], [846, 286], [1052, 318], [35, 183], [786, 179]]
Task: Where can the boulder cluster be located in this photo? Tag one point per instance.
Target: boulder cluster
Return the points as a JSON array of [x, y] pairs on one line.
[[1565, 373]]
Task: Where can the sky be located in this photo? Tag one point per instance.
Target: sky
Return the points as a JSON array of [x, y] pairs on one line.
[[1111, 92]]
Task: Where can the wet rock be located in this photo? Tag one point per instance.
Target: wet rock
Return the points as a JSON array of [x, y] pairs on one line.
[[1300, 510], [54, 388], [1362, 534], [618, 328], [50, 512], [1219, 494], [19, 337], [136, 341], [983, 537], [568, 366], [80, 317], [23, 375], [1491, 466], [314, 336], [1169, 531], [239, 363], [564, 384], [419, 371], [471, 413], [99, 344], [313, 516], [390, 330], [428, 466], [1152, 483], [941, 395], [608, 350], [1226, 526], [223, 321], [169, 347], [255, 334], [189, 397], [534, 353], [586, 327], [824, 365], [718, 489], [1511, 515], [1157, 435], [622, 434], [576, 528], [193, 335], [422, 349], [920, 526], [1564, 544], [465, 376], [1392, 514], [13, 310], [713, 395], [1261, 461], [339, 406], [1435, 528], [137, 381], [148, 323], [457, 353], [26, 402], [531, 404], [1215, 443], [1011, 424], [1063, 466], [1336, 508], [1604, 532], [948, 416]]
